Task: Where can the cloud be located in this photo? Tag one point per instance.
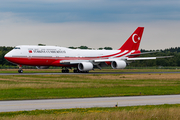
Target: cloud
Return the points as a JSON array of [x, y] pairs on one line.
[[94, 23], [157, 35], [58, 11]]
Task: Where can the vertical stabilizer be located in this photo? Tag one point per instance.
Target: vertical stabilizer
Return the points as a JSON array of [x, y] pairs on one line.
[[134, 40]]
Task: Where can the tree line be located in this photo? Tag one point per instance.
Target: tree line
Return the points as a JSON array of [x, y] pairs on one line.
[[3, 51], [85, 47], [173, 61]]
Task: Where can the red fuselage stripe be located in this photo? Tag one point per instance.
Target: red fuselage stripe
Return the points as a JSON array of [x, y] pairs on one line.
[[123, 54], [113, 54]]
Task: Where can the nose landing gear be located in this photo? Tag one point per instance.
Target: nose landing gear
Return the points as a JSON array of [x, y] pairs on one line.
[[20, 69]]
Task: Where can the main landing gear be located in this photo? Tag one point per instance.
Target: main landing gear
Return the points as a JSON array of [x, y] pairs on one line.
[[78, 71], [66, 70]]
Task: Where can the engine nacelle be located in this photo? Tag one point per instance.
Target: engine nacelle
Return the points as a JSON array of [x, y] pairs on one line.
[[85, 66], [118, 64], [42, 67]]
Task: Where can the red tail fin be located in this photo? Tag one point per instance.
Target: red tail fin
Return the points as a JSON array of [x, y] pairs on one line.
[[134, 40]]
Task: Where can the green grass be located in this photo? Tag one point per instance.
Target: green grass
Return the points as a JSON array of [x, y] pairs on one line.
[[165, 111], [96, 70], [87, 110], [17, 87], [27, 93]]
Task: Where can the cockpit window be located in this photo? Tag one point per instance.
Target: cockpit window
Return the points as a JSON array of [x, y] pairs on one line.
[[17, 48]]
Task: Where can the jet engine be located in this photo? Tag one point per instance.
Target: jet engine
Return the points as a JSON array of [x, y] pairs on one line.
[[42, 67], [85, 66], [118, 64]]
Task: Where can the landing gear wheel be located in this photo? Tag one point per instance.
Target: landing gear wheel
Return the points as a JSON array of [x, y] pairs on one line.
[[84, 71], [76, 71], [65, 71], [20, 71]]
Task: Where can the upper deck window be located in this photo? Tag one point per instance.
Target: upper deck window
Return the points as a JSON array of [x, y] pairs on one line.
[[17, 48]]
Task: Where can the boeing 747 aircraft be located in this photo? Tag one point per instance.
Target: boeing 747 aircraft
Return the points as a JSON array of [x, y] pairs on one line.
[[81, 60]]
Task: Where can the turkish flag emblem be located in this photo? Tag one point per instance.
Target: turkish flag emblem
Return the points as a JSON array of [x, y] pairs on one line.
[[30, 51]]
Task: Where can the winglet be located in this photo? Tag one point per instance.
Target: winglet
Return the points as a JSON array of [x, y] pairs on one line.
[[134, 40]]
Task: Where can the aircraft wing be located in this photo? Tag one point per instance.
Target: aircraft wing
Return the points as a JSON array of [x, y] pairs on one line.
[[73, 61], [131, 59], [93, 61], [110, 60], [68, 62]]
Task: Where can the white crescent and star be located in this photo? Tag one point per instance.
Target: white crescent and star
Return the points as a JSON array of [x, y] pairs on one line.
[[133, 38]]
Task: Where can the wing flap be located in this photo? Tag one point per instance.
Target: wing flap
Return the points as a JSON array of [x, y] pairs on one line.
[[106, 60], [68, 62], [147, 58], [140, 58]]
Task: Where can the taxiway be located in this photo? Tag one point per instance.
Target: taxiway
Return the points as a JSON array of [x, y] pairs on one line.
[[22, 105], [89, 73]]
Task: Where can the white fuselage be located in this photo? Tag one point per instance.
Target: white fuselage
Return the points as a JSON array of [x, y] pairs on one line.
[[52, 55]]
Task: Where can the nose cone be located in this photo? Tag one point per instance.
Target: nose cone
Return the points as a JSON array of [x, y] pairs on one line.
[[8, 55]]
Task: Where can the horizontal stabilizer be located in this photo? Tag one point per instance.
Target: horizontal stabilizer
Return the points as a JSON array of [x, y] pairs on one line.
[[140, 53]]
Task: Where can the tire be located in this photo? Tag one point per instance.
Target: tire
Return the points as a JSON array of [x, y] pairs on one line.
[[65, 71], [20, 71], [75, 71]]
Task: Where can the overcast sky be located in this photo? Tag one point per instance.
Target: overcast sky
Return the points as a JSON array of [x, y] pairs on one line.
[[93, 23]]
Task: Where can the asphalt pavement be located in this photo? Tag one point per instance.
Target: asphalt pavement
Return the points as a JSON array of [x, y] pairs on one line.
[[88, 73], [22, 105]]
